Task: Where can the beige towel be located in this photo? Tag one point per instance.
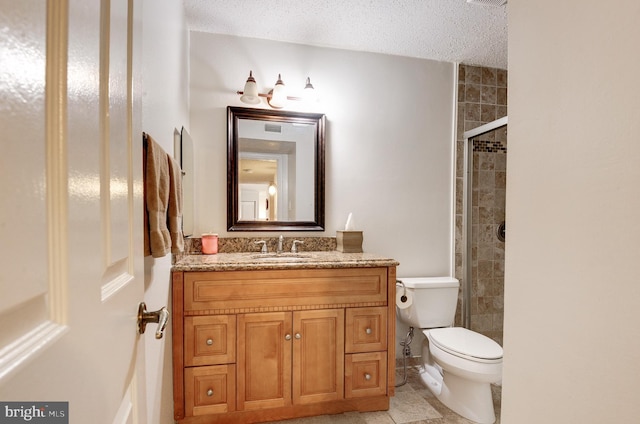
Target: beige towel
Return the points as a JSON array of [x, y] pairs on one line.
[[174, 213], [157, 240]]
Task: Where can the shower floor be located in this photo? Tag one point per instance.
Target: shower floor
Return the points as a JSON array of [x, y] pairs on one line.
[[413, 403]]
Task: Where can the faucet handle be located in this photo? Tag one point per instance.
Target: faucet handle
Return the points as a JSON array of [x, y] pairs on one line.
[[264, 245], [280, 247], [294, 246]]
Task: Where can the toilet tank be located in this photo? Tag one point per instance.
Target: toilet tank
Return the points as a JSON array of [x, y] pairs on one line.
[[433, 301]]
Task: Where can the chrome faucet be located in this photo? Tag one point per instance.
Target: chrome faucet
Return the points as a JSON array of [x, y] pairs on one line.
[[264, 245], [280, 243], [294, 245]]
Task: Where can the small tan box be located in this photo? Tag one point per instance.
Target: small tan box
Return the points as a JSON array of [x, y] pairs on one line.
[[349, 241]]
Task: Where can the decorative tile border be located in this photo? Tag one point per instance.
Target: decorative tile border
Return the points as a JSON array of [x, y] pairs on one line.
[[489, 146]]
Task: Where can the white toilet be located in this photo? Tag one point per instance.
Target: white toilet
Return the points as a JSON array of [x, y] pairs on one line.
[[458, 365]]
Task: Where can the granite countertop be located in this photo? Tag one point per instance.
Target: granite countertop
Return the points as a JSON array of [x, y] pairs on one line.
[[260, 261]]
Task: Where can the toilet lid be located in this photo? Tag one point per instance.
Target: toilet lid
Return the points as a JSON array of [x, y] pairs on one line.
[[463, 342]]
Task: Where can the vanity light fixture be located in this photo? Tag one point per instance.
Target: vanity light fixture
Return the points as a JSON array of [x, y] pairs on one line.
[[250, 94], [276, 98]]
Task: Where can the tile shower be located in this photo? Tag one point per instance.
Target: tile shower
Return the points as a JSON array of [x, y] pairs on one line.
[[482, 98]]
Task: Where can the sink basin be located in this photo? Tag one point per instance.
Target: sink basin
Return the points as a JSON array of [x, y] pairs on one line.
[[283, 257]]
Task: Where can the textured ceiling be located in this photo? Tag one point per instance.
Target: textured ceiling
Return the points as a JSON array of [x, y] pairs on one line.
[[443, 30]]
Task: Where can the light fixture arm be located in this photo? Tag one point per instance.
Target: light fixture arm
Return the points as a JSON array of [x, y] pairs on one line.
[[270, 94], [253, 97]]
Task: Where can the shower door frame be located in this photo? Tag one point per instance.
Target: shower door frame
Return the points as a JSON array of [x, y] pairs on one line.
[[467, 213]]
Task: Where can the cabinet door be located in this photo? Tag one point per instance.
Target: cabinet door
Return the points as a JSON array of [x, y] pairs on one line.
[[318, 356], [264, 360]]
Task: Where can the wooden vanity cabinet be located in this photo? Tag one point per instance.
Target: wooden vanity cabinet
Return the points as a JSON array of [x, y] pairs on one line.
[[266, 345]]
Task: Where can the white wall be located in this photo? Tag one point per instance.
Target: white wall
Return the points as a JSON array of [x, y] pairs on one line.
[[389, 140], [572, 285], [164, 108]]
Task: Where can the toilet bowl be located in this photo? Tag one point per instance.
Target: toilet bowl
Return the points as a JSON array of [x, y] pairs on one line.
[[458, 365]]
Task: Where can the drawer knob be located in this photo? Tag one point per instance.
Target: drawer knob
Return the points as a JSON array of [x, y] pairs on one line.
[[287, 336], [368, 330], [298, 336], [367, 376], [210, 392], [209, 342]]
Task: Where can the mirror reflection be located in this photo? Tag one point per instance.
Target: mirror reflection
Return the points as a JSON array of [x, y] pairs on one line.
[[276, 181], [276, 170]]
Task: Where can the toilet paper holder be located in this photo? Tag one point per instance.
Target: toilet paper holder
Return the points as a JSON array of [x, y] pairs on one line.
[[403, 297]]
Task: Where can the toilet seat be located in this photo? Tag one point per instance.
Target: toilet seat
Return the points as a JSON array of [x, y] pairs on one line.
[[467, 344]]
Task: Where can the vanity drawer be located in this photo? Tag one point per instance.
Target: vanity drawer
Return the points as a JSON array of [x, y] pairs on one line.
[[366, 329], [252, 290], [209, 340], [365, 374], [210, 390]]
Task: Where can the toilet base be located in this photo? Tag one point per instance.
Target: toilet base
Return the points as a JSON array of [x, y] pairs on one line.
[[472, 400]]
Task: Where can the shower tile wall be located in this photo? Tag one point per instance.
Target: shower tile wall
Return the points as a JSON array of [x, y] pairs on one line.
[[482, 98]]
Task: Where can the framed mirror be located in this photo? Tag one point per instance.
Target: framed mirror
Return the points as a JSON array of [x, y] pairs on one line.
[[275, 170]]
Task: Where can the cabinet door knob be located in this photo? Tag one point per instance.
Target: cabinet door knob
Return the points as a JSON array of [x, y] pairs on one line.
[[298, 336], [368, 330], [287, 336], [210, 392], [209, 342], [367, 376]]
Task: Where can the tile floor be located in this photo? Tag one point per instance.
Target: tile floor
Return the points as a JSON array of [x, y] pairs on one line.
[[412, 404]]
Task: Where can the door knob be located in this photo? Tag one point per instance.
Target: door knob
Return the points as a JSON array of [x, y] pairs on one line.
[[161, 316]]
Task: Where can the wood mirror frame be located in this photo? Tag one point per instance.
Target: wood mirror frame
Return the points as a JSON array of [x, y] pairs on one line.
[[234, 117]]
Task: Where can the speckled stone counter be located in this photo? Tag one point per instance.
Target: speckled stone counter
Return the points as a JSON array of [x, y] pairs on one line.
[[258, 261]]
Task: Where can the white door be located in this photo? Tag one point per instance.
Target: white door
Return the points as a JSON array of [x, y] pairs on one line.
[[71, 217]]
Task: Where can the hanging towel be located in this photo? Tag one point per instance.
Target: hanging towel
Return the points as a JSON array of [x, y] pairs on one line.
[[157, 240], [174, 212]]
